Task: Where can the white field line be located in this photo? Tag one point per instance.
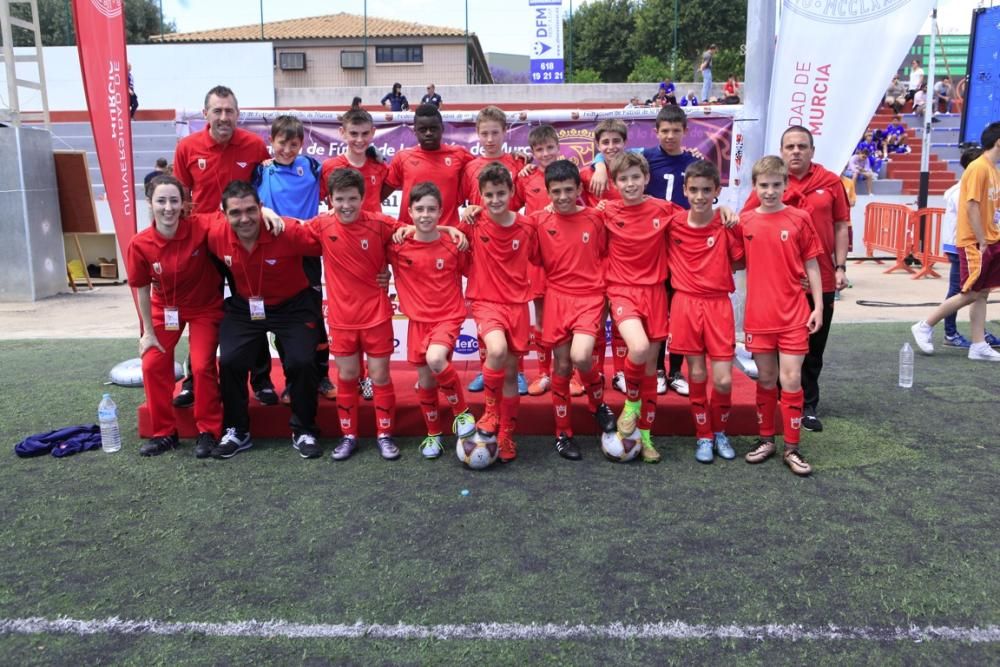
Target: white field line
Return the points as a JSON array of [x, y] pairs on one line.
[[497, 631]]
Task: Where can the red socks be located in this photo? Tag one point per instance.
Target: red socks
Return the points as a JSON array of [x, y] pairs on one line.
[[385, 408], [634, 377], [508, 414], [648, 396], [544, 354], [699, 409], [492, 385], [767, 404], [451, 387], [791, 414], [347, 405], [429, 409], [561, 404], [595, 388], [618, 350], [722, 403]]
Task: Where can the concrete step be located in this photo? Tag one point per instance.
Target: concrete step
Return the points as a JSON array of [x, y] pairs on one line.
[[887, 186]]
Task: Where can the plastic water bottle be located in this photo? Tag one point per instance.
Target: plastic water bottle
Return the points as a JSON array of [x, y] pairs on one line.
[[107, 416], [906, 366]]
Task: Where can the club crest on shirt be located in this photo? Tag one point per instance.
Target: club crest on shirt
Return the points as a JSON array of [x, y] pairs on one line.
[[784, 234], [656, 223], [515, 244], [711, 241], [586, 237], [749, 338], [447, 161], [195, 253], [364, 244], [439, 263], [228, 259], [157, 268], [552, 232], [619, 310], [300, 171], [372, 179], [202, 163]]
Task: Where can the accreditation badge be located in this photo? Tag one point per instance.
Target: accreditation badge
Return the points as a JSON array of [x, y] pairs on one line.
[[171, 319], [257, 308]]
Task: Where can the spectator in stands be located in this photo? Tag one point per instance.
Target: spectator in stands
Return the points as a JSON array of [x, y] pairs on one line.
[[916, 79], [942, 95], [898, 145], [731, 90], [396, 100], [895, 126], [689, 100], [161, 168], [895, 95], [431, 97], [859, 167], [635, 103], [920, 100], [668, 90], [706, 71]]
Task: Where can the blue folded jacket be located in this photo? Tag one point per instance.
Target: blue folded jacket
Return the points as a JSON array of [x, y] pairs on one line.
[[61, 442]]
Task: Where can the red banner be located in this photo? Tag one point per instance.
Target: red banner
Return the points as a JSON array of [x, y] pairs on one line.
[[100, 39]]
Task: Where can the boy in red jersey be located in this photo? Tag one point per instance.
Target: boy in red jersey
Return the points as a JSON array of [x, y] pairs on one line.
[[431, 161], [429, 271], [609, 139], [502, 244], [781, 249], [701, 252], [355, 246], [356, 131], [636, 268], [571, 244]]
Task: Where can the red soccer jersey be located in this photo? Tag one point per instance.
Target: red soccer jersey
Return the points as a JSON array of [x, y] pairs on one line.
[[820, 193], [180, 270], [610, 193], [637, 248], [777, 246], [500, 259], [532, 191], [700, 258], [572, 248], [442, 167], [470, 179], [206, 167], [272, 269], [374, 173], [353, 255], [429, 278]]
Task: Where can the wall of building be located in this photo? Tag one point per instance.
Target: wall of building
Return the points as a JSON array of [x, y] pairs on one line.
[[443, 62], [167, 76]]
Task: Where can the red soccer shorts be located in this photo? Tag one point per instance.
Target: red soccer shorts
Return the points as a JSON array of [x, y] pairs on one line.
[[511, 318], [647, 303], [375, 341], [702, 325], [568, 314], [792, 341], [979, 271], [536, 278], [420, 336]]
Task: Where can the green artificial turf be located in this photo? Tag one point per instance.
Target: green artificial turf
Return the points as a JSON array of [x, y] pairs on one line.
[[897, 526]]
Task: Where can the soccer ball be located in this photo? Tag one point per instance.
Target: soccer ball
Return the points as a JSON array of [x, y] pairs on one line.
[[620, 449], [477, 451]]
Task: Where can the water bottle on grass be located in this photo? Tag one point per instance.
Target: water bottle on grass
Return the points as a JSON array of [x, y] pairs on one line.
[[107, 416], [906, 366]]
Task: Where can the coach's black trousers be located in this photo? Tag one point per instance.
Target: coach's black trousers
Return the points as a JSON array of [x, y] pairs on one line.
[[812, 366], [296, 323]]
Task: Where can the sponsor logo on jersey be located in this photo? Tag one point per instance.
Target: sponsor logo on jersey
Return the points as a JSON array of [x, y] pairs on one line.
[[270, 262], [748, 237], [466, 344], [484, 238], [242, 165], [552, 232], [619, 223], [196, 252], [333, 238]]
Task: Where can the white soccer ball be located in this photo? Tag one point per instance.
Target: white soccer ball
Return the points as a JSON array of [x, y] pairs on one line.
[[477, 451], [620, 449]]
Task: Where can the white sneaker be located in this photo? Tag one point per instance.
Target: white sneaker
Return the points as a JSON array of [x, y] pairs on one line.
[[679, 385], [661, 382], [618, 382], [983, 352], [923, 334]]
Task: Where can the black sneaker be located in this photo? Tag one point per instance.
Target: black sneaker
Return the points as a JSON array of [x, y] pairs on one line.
[[156, 446], [233, 442], [567, 448], [185, 399], [307, 446], [810, 421], [204, 445], [606, 419], [267, 396]]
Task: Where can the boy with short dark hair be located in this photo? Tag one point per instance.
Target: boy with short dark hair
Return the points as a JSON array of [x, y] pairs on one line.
[[356, 131], [701, 253], [571, 248], [781, 250], [429, 270], [498, 289], [355, 246]]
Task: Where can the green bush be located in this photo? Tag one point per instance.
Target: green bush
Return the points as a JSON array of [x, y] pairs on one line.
[[585, 76]]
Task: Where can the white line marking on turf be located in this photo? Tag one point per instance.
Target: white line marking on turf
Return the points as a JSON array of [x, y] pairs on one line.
[[496, 631]]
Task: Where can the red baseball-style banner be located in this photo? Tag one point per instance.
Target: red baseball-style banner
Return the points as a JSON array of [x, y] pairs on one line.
[[100, 39]]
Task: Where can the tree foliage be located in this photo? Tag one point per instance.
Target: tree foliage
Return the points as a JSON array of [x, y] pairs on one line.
[[699, 23], [649, 68], [600, 38], [55, 22], [585, 75]]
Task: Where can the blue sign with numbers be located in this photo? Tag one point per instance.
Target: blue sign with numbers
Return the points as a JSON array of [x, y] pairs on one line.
[[547, 71]]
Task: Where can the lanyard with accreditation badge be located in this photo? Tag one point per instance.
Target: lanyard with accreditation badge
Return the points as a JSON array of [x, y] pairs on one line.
[[256, 302], [171, 315]]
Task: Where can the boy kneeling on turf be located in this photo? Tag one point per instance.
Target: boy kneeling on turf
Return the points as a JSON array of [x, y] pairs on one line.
[[429, 268], [781, 249], [701, 253], [571, 249]]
